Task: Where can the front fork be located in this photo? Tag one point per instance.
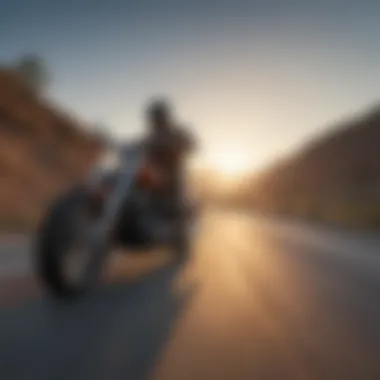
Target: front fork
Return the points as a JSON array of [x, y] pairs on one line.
[[100, 233]]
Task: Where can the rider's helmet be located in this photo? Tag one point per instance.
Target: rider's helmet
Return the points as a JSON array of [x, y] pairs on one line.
[[159, 112]]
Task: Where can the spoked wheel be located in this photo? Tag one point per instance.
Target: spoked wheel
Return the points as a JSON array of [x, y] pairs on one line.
[[62, 259]]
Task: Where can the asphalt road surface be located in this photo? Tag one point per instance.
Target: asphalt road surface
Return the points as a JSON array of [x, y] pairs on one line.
[[259, 299]]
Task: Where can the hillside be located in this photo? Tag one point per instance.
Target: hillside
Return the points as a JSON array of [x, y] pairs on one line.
[[335, 178], [42, 151]]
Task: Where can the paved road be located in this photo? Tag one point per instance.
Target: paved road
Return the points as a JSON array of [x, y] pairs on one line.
[[259, 300]]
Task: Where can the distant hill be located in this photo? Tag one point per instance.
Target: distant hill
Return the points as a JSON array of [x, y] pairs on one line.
[[335, 178], [42, 151]]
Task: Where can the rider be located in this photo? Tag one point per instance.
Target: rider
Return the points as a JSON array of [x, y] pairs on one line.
[[169, 144]]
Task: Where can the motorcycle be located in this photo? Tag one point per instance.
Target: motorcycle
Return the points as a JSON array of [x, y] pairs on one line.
[[114, 207]]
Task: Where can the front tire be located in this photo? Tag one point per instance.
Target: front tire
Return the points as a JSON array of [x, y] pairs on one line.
[[54, 238]]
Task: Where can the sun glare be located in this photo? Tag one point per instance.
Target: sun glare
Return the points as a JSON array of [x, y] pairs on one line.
[[231, 163]]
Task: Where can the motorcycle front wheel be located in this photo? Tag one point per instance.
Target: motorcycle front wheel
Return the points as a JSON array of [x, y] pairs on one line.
[[60, 259]]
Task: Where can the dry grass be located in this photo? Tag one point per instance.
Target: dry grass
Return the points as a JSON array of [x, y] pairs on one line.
[[334, 178], [42, 151]]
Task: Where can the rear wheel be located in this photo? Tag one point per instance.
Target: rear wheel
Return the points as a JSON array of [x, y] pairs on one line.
[[182, 242]]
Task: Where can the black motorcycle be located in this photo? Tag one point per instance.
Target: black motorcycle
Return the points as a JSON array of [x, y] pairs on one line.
[[116, 207]]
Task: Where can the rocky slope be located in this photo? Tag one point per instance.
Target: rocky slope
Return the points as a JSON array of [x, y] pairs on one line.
[[42, 151], [334, 178]]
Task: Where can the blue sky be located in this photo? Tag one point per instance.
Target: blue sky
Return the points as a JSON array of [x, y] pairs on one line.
[[254, 78]]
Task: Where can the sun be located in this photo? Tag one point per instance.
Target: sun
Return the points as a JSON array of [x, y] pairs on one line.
[[231, 162]]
